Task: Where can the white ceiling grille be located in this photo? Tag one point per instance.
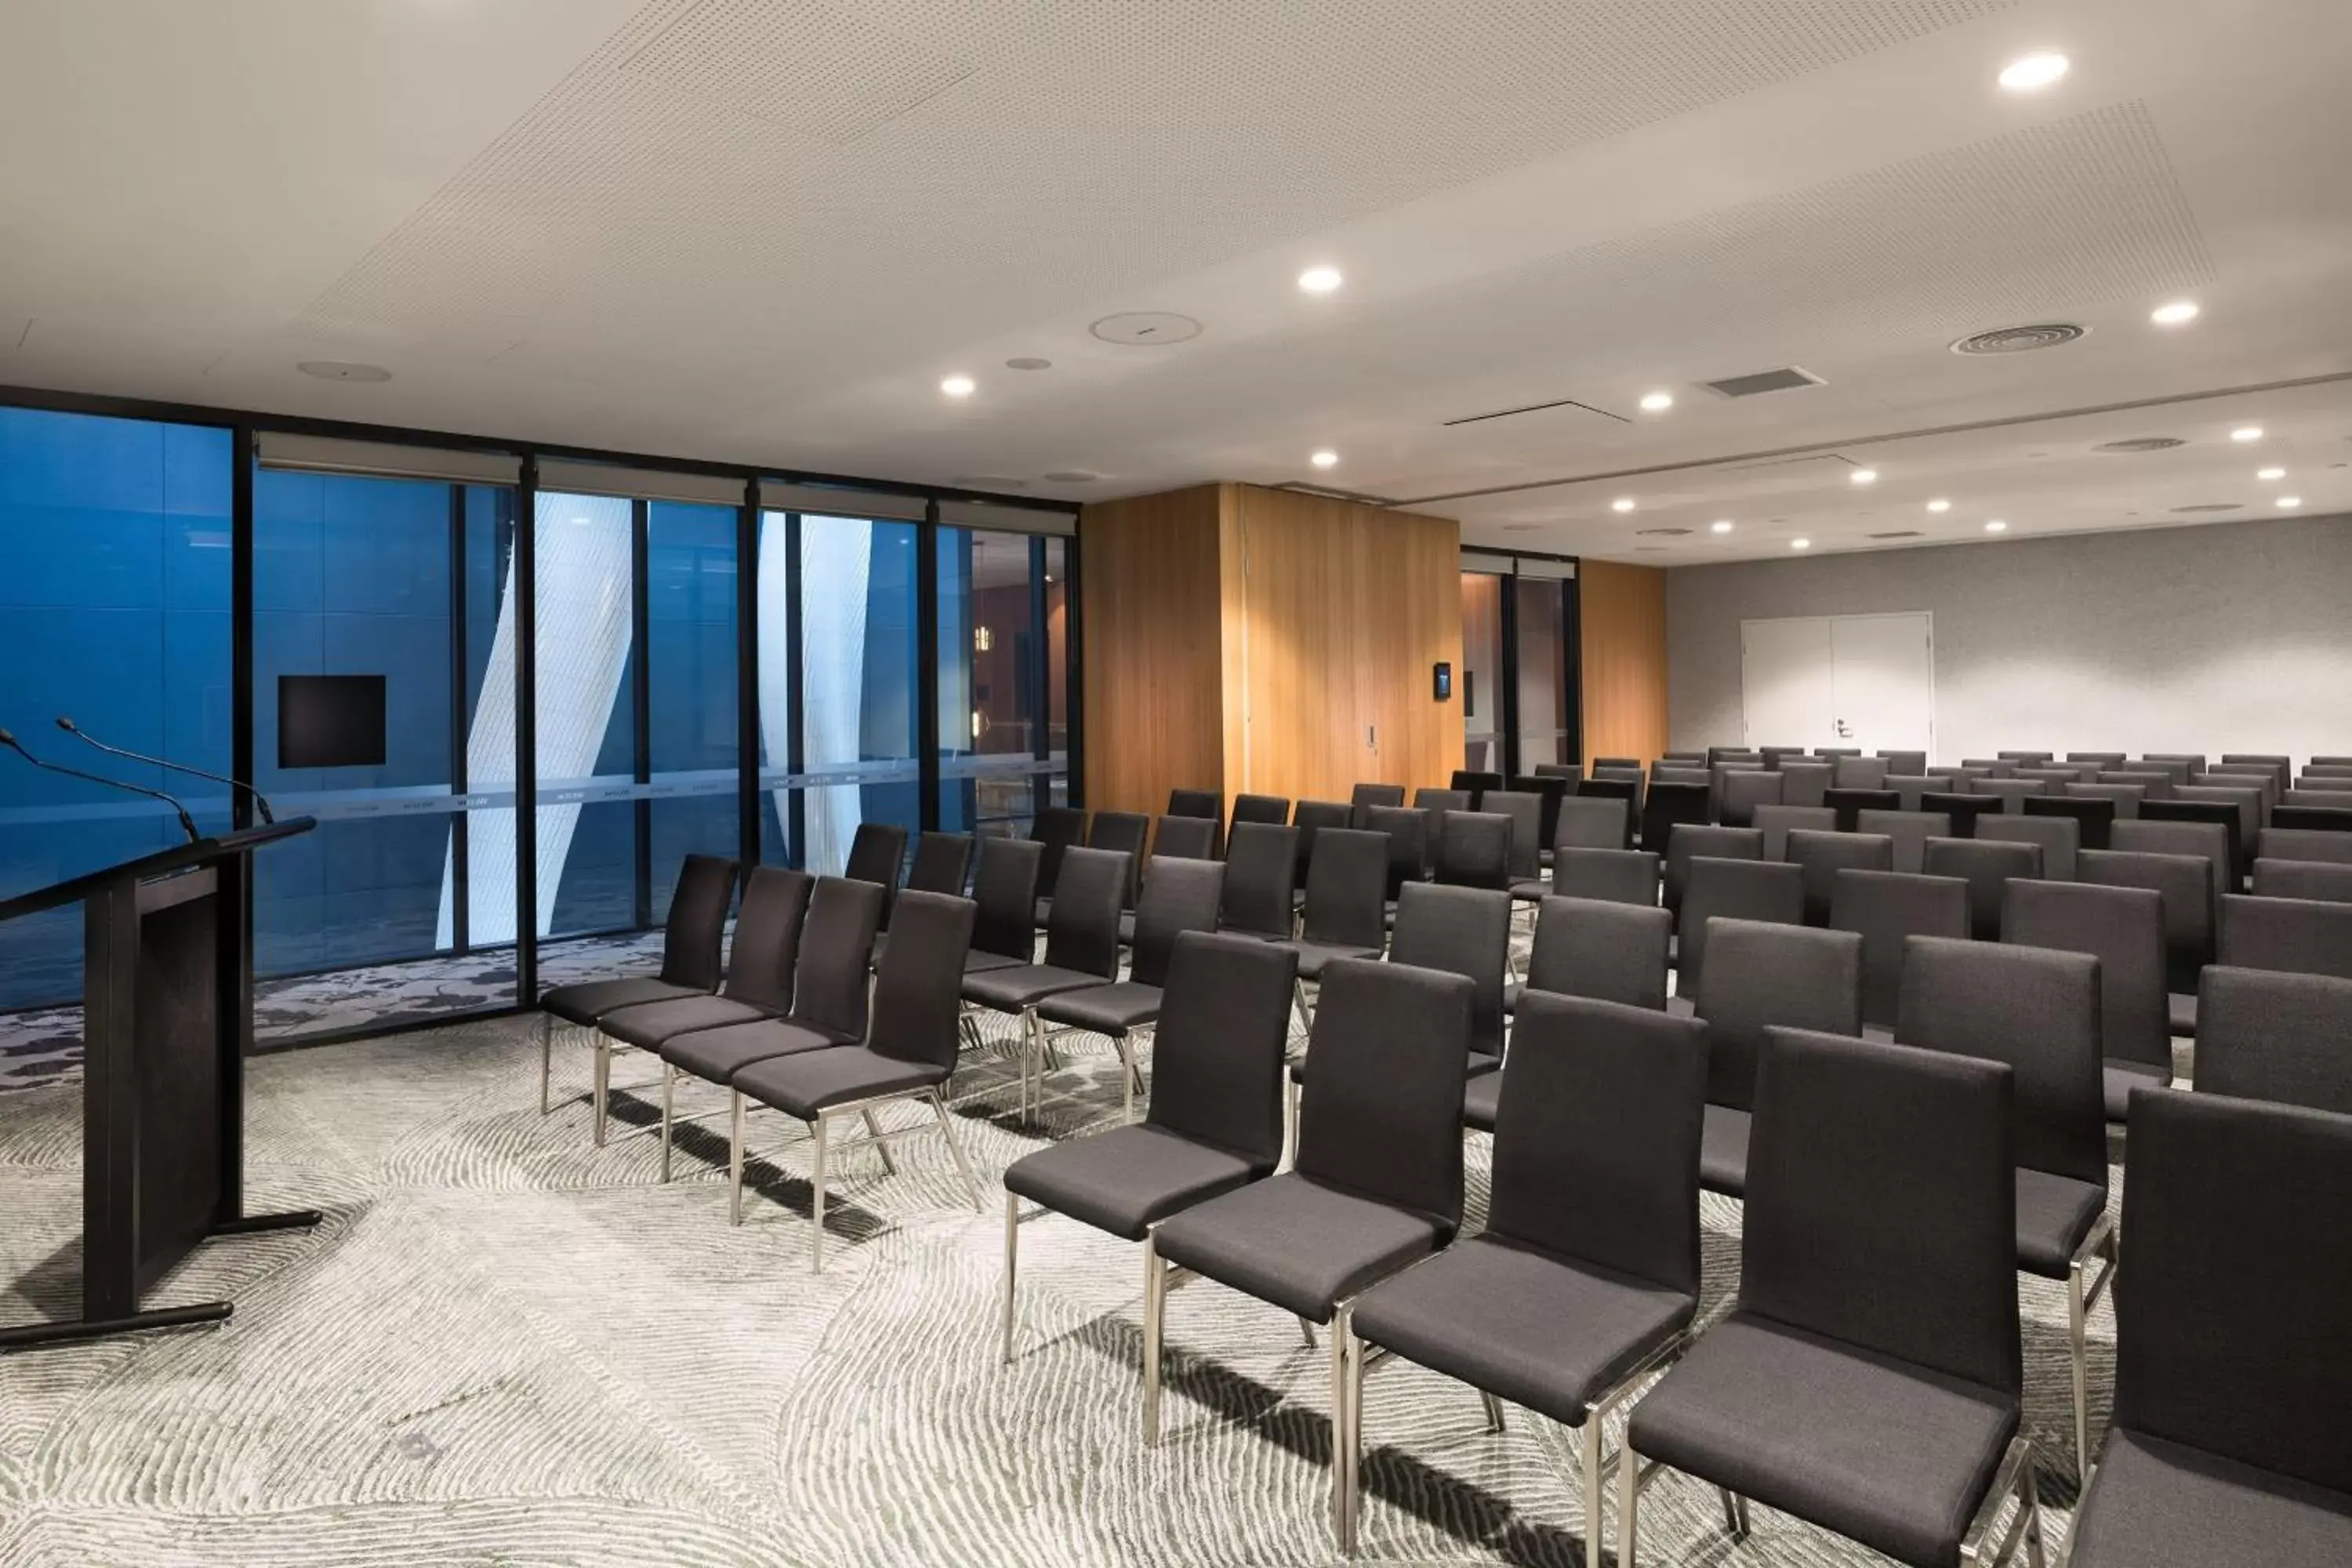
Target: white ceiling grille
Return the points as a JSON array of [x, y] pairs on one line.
[[1787, 379]]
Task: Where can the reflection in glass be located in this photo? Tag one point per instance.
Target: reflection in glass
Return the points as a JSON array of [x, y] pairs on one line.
[[690, 699], [1004, 678], [1543, 708]]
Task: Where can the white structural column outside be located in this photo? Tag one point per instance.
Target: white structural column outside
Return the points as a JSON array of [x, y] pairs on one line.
[[836, 564]]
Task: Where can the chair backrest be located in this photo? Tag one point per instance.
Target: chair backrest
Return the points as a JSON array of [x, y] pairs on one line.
[[1525, 814], [1850, 804], [1474, 783], [1592, 822], [1547, 792], [1764, 976], [2122, 801], [2184, 885], [1408, 835], [2324, 818], [1569, 770], [2303, 879], [1907, 832], [1692, 841], [1611, 876], [2035, 1009], [2056, 776], [2059, 837], [1365, 797], [1178, 896], [1217, 1052], [1860, 772], [2265, 1035], [2123, 927], [2280, 766], [1123, 831], [1886, 907], [2294, 936], [2010, 791], [2154, 782], [1627, 784], [2248, 802], [2232, 868], [2104, 759], [1881, 1209], [761, 965], [1984, 865], [2307, 844], [1806, 783], [2328, 799], [1733, 753], [2228, 1321], [1430, 798], [697, 921], [2155, 834], [1912, 763], [943, 862], [1633, 762], [2181, 766], [1380, 1115], [919, 981], [1346, 885], [2094, 820], [1185, 839], [1462, 930], [1736, 890], [1600, 1099], [1988, 767], [1608, 952], [1311, 817], [1745, 790], [2025, 756], [1835, 751], [1082, 930], [830, 989], [1059, 829], [1208, 803], [1473, 849], [878, 854], [2261, 776], [1267, 808], [1909, 787], [1774, 756], [1965, 811], [1005, 887], [1776, 822], [1822, 856], [1670, 807], [1261, 875]]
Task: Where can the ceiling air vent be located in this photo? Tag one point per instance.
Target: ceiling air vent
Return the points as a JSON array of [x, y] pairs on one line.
[[2214, 506], [1662, 532], [2020, 339], [2141, 444], [1899, 533], [1786, 379]]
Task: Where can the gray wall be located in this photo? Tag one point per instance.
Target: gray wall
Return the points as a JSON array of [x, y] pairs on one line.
[[2229, 637]]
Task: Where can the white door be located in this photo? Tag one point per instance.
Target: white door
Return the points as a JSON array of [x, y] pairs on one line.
[[1788, 683], [1885, 678]]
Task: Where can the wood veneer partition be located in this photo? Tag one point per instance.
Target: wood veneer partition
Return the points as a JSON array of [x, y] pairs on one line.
[[1623, 612]]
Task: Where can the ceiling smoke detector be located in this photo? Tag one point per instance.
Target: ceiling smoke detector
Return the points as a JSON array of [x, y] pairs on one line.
[[2141, 444], [2020, 339], [1146, 329]]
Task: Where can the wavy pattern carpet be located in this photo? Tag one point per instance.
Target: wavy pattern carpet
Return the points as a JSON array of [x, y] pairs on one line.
[[507, 1347]]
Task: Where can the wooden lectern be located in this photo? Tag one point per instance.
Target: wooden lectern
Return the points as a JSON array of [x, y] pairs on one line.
[[167, 1021]]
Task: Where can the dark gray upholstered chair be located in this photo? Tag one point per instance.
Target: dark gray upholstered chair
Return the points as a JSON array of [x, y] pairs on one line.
[[1734, 754], [763, 971], [691, 934], [1267, 808], [1984, 865], [1912, 763], [1822, 856], [1806, 783], [1763, 977], [2246, 795], [1592, 822], [2154, 782], [1311, 817], [1776, 756], [1185, 839], [2294, 936], [2185, 882], [2036, 1010], [2093, 819], [1615, 876], [1549, 793], [878, 854], [2230, 1377], [2156, 836], [1679, 773], [1691, 841], [1626, 784], [1776, 822], [1608, 951], [1909, 787], [2104, 759], [1836, 751], [1124, 833], [1432, 799], [942, 861], [1260, 875], [2320, 818], [2011, 791], [2025, 756], [910, 1054], [1182, 896], [1869, 1379], [1465, 931], [1909, 831], [2267, 1035], [2155, 813], [2304, 879], [1860, 772], [1004, 887], [1408, 835], [2305, 844], [1474, 850], [1346, 891], [1377, 1185], [1672, 806], [2280, 766], [1735, 890], [1743, 791], [2060, 839], [1365, 797], [1988, 767], [2335, 799], [2181, 766], [1215, 1119], [1525, 868], [1634, 763], [2056, 776], [1208, 803], [2123, 927], [1474, 783], [1965, 811], [1586, 1277], [1886, 909], [1850, 804], [2123, 798], [1059, 829], [1081, 950], [1629, 790]]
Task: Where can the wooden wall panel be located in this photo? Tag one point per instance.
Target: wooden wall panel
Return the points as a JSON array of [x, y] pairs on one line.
[[1153, 686], [1624, 609]]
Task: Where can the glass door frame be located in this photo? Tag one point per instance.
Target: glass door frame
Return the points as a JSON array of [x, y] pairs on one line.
[[1504, 567]]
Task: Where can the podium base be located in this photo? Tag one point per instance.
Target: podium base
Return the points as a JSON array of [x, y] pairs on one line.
[[74, 1330]]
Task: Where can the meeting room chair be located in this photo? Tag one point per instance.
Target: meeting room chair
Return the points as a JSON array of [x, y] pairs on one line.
[[2185, 883], [1465, 931], [2123, 927], [1806, 783], [1003, 889], [1776, 822], [1689, 842], [1670, 807], [1735, 890], [1912, 763], [1743, 792], [2280, 766], [1775, 756], [1628, 790], [1214, 1123], [2104, 759], [1311, 817], [1887, 909], [1909, 787], [2025, 756], [1585, 1281], [1346, 885], [2154, 784], [1860, 772], [2010, 792], [1907, 832], [2059, 838], [2247, 801], [1676, 773], [2265, 780], [1988, 767], [942, 862], [2154, 815], [1850, 804], [1365, 797], [2181, 766], [2268, 1034], [1123, 832], [1592, 822], [2303, 879], [1984, 865], [908, 1055], [1474, 850], [1611, 876], [878, 854], [1608, 951], [2093, 819], [2122, 802], [1376, 1185], [1964, 811], [1261, 875], [2322, 818], [1474, 783], [1763, 977], [2227, 1443], [1059, 829], [2305, 798], [1432, 799], [1208, 803], [1863, 1382], [1407, 833], [1081, 950], [1822, 856], [1525, 864], [2037, 1011], [1274, 809], [2305, 845], [1834, 752], [1185, 839], [2293, 936]]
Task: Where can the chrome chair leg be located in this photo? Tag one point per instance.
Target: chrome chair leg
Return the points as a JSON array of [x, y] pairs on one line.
[[1629, 1498], [1307, 1330], [1126, 1076], [1012, 1261], [1594, 1523], [816, 1202], [604, 1081], [1347, 1437], [669, 1092], [735, 1158], [1155, 1315], [881, 1144], [1735, 1513], [1493, 1411], [2078, 1331], [955, 1147]]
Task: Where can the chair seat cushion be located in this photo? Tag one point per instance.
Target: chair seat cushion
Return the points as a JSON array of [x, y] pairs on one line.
[[1530, 890], [1298, 1244], [648, 1023], [1892, 1456], [1482, 1096], [1723, 1152], [978, 962], [2053, 1214], [1541, 1332], [1313, 956], [1129, 1178], [2153, 1501], [1024, 985], [2180, 1013], [807, 1082], [1106, 1009], [717, 1055], [2120, 1077], [591, 999]]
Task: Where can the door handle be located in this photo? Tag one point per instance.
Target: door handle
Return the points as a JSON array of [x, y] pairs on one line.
[[1844, 729]]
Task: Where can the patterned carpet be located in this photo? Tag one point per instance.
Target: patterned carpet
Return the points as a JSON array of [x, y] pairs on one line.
[[508, 1347]]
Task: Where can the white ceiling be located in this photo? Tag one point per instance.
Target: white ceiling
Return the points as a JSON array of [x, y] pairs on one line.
[[763, 230]]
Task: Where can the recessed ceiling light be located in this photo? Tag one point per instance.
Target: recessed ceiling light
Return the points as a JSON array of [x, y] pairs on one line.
[[1863, 476], [1800, 544], [2290, 501], [2247, 433], [2179, 312], [1623, 503], [1996, 526], [958, 385], [1723, 527], [2270, 473], [1939, 504], [1326, 458], [1321, 280], [2033, 72], [1657, 401]]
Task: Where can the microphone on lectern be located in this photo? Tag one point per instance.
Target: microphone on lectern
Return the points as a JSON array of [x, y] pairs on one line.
[[260, 803], [187, 823]]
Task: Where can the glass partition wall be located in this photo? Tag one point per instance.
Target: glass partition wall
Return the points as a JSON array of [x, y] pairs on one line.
[[1520, 669]]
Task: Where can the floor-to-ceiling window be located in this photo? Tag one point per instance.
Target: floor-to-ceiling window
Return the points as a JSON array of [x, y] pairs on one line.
[[692, 747], [1003, 678]]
